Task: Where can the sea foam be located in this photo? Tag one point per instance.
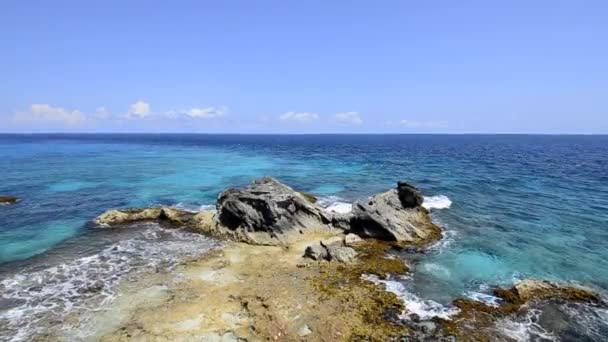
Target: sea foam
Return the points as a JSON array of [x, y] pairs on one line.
[[425, 309], [335, 204], [35, 297], [436, 202]]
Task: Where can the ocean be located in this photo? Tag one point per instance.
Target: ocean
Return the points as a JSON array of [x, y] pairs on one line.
[[512, 207]]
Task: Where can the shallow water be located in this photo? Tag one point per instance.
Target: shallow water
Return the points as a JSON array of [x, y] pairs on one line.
[[513, 207]]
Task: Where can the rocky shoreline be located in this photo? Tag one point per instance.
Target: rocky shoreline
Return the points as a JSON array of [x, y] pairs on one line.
[[293, 271]]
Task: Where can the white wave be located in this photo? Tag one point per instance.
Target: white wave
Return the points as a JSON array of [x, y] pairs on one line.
[[194, 208], [425, 309], [335, 204], [485, 298], [449, 236], [39, 296], [340, 207], [525, 328], [436, 202]]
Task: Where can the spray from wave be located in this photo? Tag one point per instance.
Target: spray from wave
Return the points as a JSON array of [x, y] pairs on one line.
[[436, 202], [335, 204], [194, 208], [424, 309]]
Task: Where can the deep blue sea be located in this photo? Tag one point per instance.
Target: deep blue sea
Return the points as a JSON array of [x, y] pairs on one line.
[[512, 206]]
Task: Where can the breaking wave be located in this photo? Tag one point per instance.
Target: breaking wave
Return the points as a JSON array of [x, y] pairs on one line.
[[335, 204], [436, 202], [425, 309]]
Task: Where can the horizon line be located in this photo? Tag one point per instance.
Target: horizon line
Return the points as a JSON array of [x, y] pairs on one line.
[[293, 133]]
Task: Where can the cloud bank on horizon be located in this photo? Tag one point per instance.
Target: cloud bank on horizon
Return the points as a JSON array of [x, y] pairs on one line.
[[304, 67]]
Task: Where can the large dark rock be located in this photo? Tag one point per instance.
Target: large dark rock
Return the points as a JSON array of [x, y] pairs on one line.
[[395, 215], [409, 195], [269, 207]]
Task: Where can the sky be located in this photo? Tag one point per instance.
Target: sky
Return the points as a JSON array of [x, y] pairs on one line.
[[304, 66]]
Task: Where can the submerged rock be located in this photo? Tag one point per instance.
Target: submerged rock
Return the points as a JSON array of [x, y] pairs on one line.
[[8, 199], [395, 215], [531, 290]]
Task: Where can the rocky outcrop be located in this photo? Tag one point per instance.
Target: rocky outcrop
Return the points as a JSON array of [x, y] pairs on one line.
[[268, 212], [8, 199], [117, 218], [395, 215]]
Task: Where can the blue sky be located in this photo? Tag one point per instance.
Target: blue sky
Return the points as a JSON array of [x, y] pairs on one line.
[[304, 66]]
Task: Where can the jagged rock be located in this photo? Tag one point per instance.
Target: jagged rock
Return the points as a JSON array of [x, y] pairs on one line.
[[8, 199], [384, 217], [121, 217], [268, 207], [409, 195], [341, 221], [350, 239]]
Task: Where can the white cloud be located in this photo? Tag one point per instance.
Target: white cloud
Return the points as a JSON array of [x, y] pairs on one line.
[[422, 124], [299, 117], [48, 113], [139, 109], [348, 118], [206, 113]]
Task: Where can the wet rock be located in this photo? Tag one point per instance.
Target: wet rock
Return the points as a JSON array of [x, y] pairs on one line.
[[8, 199], [385, 217], [160, 214], [529, 290], [426, 327], [267, 212]]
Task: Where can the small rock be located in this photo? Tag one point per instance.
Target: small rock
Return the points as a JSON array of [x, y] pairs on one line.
[[304, 331], [341, 253], [316, 252], [351, 239]]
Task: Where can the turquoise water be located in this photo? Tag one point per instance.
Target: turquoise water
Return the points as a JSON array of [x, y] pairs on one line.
[[522, 206]]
